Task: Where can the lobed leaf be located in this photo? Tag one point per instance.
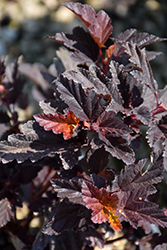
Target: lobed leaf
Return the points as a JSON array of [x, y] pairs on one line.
[[79, 40], [117, 146], [132, 37], [68, 189], [35, 143], [143, 114], [85, 105], [145, 75], [99, 25], [134, 208], [59, 123], [102, 203], [132, 177], [107, 123]]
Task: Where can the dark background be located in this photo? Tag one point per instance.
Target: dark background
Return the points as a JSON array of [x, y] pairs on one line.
[[25, 23]]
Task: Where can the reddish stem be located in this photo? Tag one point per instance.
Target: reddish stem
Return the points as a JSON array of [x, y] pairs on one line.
[[159, 109]]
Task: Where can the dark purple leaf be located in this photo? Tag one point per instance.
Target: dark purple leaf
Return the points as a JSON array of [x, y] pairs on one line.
[[116, 146], [68, 189], [163, 125], [66, 216], [143, 114], [80, 40], [133, 177], [34, 144], [92, 78], [98, 161], [145, 75], [141, 39], [154, 134], [136, 99], [13, 82], [107, 123], [135, 208], [98, 181], [84, 105]]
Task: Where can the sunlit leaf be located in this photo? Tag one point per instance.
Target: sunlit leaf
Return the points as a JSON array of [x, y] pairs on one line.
[[102, 203], [99, 25], [59, 123]]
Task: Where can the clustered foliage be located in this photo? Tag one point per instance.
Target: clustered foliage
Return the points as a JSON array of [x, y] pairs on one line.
[[95, 110]]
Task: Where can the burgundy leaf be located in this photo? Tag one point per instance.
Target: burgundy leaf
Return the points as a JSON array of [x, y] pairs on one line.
[[134, 208], [143, 114], [133, 177], [98, 161], [99, 25], [145, 75], [80, 40], [84, 105], [163, 125], [117, 146], [115, 70], [106, 122], [92, 78], [68, 189], [154, 134], [81, 59], [131, 36]]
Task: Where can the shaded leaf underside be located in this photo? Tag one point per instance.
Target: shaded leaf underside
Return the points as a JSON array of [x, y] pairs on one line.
[[34, 144]]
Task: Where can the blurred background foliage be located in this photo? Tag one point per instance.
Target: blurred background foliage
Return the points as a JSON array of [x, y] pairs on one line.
[[24, 23]]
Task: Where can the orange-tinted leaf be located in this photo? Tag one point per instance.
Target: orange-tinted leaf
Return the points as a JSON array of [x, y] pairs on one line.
[[99, 25], [102, 203], [59, 123], [110, 51]]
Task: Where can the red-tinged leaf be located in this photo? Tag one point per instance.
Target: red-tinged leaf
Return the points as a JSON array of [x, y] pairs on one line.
[[5, 212], [59, 123], [133, 177], [102, 203], [99, 25], [106, 122], [110, 51], [134, 208]]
